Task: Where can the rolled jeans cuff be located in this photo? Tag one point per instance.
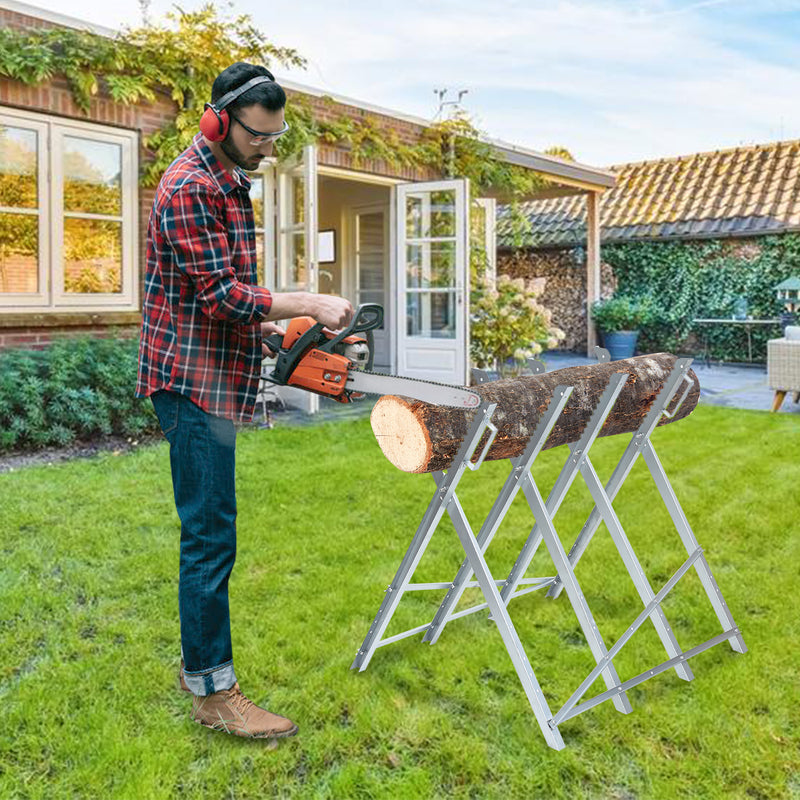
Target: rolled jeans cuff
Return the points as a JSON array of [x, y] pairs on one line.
[[212, 680]]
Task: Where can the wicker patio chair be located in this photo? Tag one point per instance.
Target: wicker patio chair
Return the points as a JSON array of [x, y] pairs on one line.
[[783, 366]]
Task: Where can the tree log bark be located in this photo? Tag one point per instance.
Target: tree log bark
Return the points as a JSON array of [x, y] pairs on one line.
[[420, 437]]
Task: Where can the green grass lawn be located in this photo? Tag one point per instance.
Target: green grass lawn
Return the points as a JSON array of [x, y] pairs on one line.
[[89, 636]]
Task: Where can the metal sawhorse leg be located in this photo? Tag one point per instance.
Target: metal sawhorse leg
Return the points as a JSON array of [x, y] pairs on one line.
[[498, 593]]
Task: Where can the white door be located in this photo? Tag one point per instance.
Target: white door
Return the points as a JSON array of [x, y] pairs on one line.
[[297, 231], [432, 280], [370, 241]]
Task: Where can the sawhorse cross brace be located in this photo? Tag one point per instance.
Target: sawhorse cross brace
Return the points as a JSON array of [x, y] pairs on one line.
[[498, 593]]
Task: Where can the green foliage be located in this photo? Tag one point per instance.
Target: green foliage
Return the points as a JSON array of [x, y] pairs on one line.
[[507, 323], [690, 280], [621, 313], [73, 389]]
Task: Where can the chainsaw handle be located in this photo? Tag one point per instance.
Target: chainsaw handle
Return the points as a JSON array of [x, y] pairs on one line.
[[274, 342], [374, 314]]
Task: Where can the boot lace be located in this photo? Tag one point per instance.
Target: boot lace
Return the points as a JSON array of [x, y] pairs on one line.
[[238, 701]]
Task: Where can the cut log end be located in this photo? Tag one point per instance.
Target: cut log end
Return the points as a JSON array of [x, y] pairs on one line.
[[403, 440]]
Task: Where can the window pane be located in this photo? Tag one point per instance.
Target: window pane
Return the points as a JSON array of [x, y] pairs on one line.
[[371, 259], [260, 262], [19, 253], [257, 198], [92, 256], [92, 176], [413, 216], [477, 224], [431, 265], [431, 314], [298, 200], [431, 214], [298, 277], [18, 167], [443, 213]]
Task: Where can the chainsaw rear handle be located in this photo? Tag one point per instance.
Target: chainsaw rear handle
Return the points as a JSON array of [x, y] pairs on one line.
[[367, 317]]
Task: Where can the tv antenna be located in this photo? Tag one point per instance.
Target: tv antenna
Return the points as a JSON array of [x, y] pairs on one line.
[[441, 94]]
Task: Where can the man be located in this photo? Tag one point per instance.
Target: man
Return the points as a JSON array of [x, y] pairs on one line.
[[200, 354]]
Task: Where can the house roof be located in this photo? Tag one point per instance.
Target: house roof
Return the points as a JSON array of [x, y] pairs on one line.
[[741, 191]]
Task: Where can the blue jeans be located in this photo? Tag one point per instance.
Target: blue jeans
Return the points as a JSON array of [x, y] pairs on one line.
[[202, 457]]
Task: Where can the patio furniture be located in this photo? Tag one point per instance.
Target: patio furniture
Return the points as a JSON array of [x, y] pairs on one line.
[[783, 366], [498, 593], [747, 323]]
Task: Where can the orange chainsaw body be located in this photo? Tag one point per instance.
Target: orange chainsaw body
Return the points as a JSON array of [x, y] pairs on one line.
[[317, 371]]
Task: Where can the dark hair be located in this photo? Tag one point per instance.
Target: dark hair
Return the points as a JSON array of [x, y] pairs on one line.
[[268, 95]]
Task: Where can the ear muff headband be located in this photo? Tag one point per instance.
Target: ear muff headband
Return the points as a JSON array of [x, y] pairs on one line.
[[215, 121]]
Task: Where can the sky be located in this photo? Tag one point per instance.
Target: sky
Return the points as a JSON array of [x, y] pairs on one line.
[[613, 82]]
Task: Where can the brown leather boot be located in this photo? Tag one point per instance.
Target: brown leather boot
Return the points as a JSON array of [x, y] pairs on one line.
[[181, 681], [230, 711]]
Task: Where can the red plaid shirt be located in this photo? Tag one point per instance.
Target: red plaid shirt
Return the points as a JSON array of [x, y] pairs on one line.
[[201, 331]]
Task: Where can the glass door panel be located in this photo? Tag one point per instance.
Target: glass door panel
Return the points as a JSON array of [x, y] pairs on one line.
[[433, 280]]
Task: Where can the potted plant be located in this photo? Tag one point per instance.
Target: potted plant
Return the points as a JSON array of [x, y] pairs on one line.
[[619, 319]]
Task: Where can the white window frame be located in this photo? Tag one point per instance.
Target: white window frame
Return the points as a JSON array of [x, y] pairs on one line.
[[265, 231], [51, 297]]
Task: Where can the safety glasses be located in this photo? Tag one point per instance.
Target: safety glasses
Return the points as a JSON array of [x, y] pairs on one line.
[[260, 137]]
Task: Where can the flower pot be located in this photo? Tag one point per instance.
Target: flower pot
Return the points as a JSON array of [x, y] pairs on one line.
[[620, 344]]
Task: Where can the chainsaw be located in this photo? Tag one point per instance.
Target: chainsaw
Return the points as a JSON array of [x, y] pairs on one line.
[[337, 364]]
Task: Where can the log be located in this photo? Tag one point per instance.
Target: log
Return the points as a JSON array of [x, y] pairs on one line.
[[420, 437]]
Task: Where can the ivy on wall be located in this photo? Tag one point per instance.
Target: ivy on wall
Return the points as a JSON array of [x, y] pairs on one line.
[[703, 279]]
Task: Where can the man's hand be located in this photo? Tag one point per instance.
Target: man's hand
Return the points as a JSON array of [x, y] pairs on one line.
[[266, 329], [332, 311]]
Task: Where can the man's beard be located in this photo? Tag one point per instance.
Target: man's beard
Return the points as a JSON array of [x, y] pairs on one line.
[[236, 155]]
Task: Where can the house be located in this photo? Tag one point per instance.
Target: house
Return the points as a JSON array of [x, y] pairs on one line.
[[72, 235], [736, 195]]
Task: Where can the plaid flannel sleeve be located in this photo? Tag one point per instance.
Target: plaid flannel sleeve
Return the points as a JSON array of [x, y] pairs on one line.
[[191, 222]]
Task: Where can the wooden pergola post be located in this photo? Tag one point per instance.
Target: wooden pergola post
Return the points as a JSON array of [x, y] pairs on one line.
[[592, 266]]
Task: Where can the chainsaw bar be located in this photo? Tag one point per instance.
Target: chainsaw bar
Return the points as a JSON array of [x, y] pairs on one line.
[[440, 394]]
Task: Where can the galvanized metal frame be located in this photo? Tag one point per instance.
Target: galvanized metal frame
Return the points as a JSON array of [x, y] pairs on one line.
[[498, 593]]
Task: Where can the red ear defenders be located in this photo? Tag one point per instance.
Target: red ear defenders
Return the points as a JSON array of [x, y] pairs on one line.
[[215, 121]]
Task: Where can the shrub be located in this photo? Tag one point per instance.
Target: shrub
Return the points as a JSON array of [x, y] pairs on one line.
[[621, 313], [73, 389], [507, 322]]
